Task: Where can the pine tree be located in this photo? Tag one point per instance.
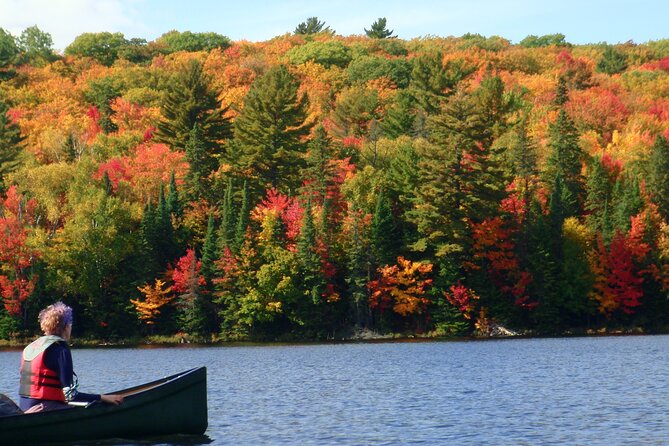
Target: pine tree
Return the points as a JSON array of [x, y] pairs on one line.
[[657, 179], [190, 100], [10, 142], [242, 219], [385, 235], [559, 205], [309, 260], [326, 226], [460, 178], [202, 164], [403, 182], [226, 233], [544, 265], [493, 106], [565, 160], [165, 244], [561, 92], [269, 132], [523, 159], [432, 81], [318, 172], [598, 197], [627, 202], [439, 210], [612, 61], [401, 117], [429, 83], [378, 30], [312, 26], [358, 269], [174, 205], [209, 253], [150, 239]]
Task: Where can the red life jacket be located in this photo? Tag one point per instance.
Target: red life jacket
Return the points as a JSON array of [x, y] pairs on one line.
[[37, 380]]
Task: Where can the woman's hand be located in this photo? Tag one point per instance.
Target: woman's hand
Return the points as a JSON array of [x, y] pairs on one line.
[[112, 399]]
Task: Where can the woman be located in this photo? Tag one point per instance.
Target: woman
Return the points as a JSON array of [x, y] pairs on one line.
[[48, 381]]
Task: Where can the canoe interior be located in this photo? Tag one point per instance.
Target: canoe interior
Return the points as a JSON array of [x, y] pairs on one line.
[[176, 404]]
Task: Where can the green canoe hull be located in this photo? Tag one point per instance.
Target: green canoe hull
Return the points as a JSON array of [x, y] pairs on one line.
[[173, 405]]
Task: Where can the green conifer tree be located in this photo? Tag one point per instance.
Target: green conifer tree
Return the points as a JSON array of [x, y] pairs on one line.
[[202, 164], [402, 184], [226, 232], [165, 246], [312, 26], [312, 280], [657, 180], [209, 253], [385, 235], [358, 272], [565, 160], [562, 92], [544, 265], [558, 211], [401, 117], [612, 61], [378, 30], [269, 132], [190, 100], [149, 240], [326, 226], [10, 142], [174, 205], [432, 81], [242, 219], [627, 202], [523, 159], [598, 197], [318, 171]]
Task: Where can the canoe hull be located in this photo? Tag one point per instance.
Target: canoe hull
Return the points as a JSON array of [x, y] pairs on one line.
[[176, 405]]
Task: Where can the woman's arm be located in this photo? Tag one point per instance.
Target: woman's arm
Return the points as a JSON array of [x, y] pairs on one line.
[[61, 361], [71, 391]]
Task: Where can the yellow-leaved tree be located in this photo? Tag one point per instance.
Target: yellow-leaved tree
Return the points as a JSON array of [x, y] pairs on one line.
[[155, 298], [401, 287]]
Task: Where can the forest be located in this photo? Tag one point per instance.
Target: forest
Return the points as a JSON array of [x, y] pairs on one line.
[[314, 185]]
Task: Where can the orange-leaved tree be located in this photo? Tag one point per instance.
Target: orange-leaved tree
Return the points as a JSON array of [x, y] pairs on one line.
[[155, 298], [401, 287]]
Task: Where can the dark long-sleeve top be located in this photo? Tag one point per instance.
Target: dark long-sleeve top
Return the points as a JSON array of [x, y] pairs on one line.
[[59, 359]]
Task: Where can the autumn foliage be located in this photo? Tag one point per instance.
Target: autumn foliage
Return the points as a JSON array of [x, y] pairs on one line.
[[16, 256], [155, 298], [315, 185], [401, 287]]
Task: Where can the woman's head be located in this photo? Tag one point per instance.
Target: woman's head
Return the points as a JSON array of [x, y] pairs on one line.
[[55, 318]]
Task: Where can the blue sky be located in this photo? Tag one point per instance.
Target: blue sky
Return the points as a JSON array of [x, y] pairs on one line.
[[581, 21]]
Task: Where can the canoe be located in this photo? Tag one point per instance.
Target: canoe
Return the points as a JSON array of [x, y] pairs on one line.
[[176, 404]]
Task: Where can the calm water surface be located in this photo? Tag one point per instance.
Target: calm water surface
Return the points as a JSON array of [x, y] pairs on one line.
[[577, 391]]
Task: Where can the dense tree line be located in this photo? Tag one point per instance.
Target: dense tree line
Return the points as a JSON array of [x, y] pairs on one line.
[[316, 184]]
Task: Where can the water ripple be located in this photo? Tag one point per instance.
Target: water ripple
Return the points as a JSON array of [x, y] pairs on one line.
[[580, 391]]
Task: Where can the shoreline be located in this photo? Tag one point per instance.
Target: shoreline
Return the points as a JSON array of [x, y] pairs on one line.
[[364, 337]]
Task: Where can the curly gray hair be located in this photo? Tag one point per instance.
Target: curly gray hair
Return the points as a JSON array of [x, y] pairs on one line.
[[54, 318]]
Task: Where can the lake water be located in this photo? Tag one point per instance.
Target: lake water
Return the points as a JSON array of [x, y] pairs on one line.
[[575, 391]]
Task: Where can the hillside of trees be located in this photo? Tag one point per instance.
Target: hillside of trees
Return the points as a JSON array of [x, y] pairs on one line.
[[315, 184]]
